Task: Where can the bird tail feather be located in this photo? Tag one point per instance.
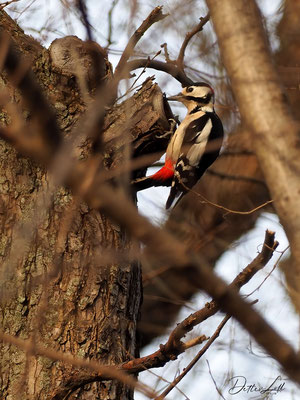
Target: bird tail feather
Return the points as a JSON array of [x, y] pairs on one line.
[[171, 198]]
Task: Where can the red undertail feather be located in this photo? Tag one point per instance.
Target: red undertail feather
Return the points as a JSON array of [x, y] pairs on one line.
[[165, 173]]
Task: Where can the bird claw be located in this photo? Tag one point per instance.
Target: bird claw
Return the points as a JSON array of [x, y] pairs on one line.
[[173, 123], [164, 135]]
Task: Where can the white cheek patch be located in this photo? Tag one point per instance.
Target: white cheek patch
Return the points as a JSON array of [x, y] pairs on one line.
[[197, 150], [199, 91]]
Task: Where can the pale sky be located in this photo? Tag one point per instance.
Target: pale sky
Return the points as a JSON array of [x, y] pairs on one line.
[[234, 352]]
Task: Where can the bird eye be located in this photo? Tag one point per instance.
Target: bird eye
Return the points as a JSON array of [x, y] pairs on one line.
[[189, 89]]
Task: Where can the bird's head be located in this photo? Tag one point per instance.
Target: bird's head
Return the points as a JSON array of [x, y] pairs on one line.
[[196, 97]]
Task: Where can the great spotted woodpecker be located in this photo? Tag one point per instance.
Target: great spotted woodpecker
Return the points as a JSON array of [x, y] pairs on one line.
[[195, 144]]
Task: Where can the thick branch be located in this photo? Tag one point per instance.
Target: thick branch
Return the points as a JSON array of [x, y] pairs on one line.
[[174, 346], [104, 371], [263, 108], [169, 68], [173, 68]]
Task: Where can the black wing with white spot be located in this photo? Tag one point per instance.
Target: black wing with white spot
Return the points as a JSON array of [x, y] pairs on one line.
[[195, 128], [201, 147]]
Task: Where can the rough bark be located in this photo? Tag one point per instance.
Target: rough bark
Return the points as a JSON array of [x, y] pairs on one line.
[[56, 289], [288, 59]]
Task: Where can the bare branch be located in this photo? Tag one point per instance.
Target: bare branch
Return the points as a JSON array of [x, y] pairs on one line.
[[173, 68], [215, 383], [83, 11], [155, 16], [166, 52], [248, 60], [198, 28], [110, 27], [104, 372], [195, 359], [228, 210], [169, 68], [211, 308]]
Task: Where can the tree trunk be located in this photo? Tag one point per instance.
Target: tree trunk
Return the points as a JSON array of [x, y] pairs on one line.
[[60, 284], [275, 130], [288, 60]]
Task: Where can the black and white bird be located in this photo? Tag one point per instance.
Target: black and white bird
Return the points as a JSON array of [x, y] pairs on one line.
[[195, 144]]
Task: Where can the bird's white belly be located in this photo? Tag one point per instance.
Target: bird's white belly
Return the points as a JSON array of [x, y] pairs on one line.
[[175, 146]]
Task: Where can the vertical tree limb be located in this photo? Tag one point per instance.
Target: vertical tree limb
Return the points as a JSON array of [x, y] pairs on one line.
[[263, 108]]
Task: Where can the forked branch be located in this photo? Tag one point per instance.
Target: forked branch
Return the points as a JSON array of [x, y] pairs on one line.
[[174, 68], [155, 16]]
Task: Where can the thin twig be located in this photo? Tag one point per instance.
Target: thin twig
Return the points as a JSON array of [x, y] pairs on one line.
[[110, 27], [269, 273], [166, 52], [214, 382], [137, 78], [194, 360], [83, 11], [228, 210], [236, 177]]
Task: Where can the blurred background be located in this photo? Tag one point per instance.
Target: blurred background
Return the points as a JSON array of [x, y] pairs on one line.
[[227, 241]]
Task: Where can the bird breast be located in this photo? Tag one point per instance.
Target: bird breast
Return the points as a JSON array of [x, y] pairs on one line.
[[175, 146]]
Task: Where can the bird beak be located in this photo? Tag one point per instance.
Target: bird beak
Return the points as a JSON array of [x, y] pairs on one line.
[[177, 97]]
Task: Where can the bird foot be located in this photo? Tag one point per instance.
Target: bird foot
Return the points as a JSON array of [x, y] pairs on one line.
[[170, 132]]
